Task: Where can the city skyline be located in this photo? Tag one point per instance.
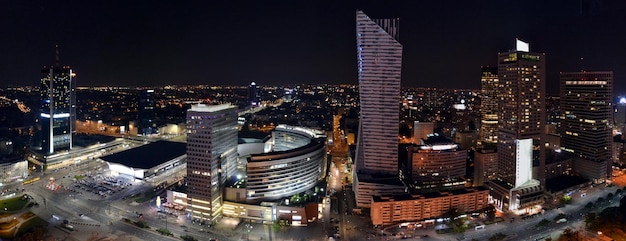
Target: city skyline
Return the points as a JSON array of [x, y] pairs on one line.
[[297, 43]]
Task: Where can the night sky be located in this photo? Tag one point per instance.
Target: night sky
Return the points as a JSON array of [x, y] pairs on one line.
[[148, 43]]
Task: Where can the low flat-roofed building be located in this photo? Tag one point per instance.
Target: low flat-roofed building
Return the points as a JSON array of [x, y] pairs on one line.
[[147, 160], [558, 164], [391, 209], [367, 185]]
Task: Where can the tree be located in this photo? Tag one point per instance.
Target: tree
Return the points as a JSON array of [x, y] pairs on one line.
[[458, 223], [188, 238], [589, 205], [609, 196], [600, 200], [497, 237], [591, 220], [490, 211], [570, 235]]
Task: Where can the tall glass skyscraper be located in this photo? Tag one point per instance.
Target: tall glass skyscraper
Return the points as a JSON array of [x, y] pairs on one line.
[[146, 113], [521, 126], [211, 157], [58, 107], [380, 64], [586, 116]]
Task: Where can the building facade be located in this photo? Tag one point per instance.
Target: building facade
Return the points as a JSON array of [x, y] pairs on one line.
[[386, 210], [586, 128], [485, 166], [489, 106], [211, 157], [421, 130], [58, 107], [438, 164], [521, 125], [296, 164], [379, 56]]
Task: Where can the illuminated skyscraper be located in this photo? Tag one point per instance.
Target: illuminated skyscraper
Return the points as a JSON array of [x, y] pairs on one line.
[[379, 56], [379, 61], [146, 114], [521, 125], [211, 157], [489, 106], [58, 107], [587, 111], [254, 95]]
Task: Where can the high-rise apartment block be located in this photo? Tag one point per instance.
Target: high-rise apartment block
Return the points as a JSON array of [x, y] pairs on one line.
[[489, 106], [58, 107], [379, 56], [211, 157], [521, 125], [586, 116]]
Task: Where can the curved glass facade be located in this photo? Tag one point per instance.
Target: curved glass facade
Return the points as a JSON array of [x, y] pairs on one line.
[[286, 171]]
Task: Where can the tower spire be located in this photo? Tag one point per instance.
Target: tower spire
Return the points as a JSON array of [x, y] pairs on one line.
[[56, 63]]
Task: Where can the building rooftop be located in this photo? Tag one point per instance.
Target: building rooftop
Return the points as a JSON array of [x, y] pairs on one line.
[[387, 179], [406, 197], [211, 108], [564, 182], [149, 155]]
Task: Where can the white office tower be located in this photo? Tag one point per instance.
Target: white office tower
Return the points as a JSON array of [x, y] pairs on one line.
[[521, 125]]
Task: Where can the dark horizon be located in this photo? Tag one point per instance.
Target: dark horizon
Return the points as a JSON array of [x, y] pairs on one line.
[[276, 43]]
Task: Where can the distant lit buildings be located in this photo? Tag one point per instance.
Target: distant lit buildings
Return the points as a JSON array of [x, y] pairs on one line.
[[211, 157], [489, 105], [437, 164], [587, 111], [379, 57], [619, 117], [521, 125], [421, 130], [58, 107]]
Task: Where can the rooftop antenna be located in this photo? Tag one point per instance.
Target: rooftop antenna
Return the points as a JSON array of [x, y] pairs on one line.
[[582, 64], [56, 63]]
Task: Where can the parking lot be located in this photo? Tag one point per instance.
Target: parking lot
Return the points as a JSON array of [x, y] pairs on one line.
[[99, 186]]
